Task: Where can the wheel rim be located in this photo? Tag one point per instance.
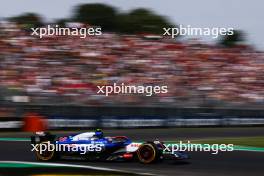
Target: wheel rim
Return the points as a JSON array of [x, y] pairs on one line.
[[45, 155], [146, 153]]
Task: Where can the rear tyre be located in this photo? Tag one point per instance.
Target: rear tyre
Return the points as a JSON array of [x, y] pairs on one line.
[[148, 153], [45, 155]]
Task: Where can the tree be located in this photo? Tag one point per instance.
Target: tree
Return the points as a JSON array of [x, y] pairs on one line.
[[137, 21], [61, 22], [142, 21], [97, 15], [28, 20], [233, 40]]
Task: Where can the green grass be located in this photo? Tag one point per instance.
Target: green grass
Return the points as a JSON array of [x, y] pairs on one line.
[[241, 141], [20, 165]]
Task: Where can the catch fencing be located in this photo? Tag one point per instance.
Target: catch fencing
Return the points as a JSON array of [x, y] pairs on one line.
[[83, 117]]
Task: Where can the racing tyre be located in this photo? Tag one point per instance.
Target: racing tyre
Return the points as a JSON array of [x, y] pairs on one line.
[[45, 155], [148, 153]]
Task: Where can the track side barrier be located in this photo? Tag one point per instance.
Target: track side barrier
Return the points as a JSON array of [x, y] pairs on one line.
[[151, 123]]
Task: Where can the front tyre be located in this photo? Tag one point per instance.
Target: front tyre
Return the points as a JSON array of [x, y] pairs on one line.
[[148, 153]]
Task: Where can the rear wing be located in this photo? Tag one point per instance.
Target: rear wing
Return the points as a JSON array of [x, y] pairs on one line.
[[41, 137]]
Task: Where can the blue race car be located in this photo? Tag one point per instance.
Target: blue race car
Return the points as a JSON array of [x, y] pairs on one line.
[[95, 146]]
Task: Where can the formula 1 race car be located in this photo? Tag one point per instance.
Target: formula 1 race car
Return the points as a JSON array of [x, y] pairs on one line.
[[94, 146]]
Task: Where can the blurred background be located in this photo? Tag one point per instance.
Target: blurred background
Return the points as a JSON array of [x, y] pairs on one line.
[[218, 81], [215, 86]]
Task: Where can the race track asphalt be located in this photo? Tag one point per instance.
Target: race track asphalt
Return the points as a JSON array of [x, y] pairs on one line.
[[236, 163]]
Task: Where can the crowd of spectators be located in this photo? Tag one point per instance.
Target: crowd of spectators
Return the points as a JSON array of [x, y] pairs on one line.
[[67, 69]]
